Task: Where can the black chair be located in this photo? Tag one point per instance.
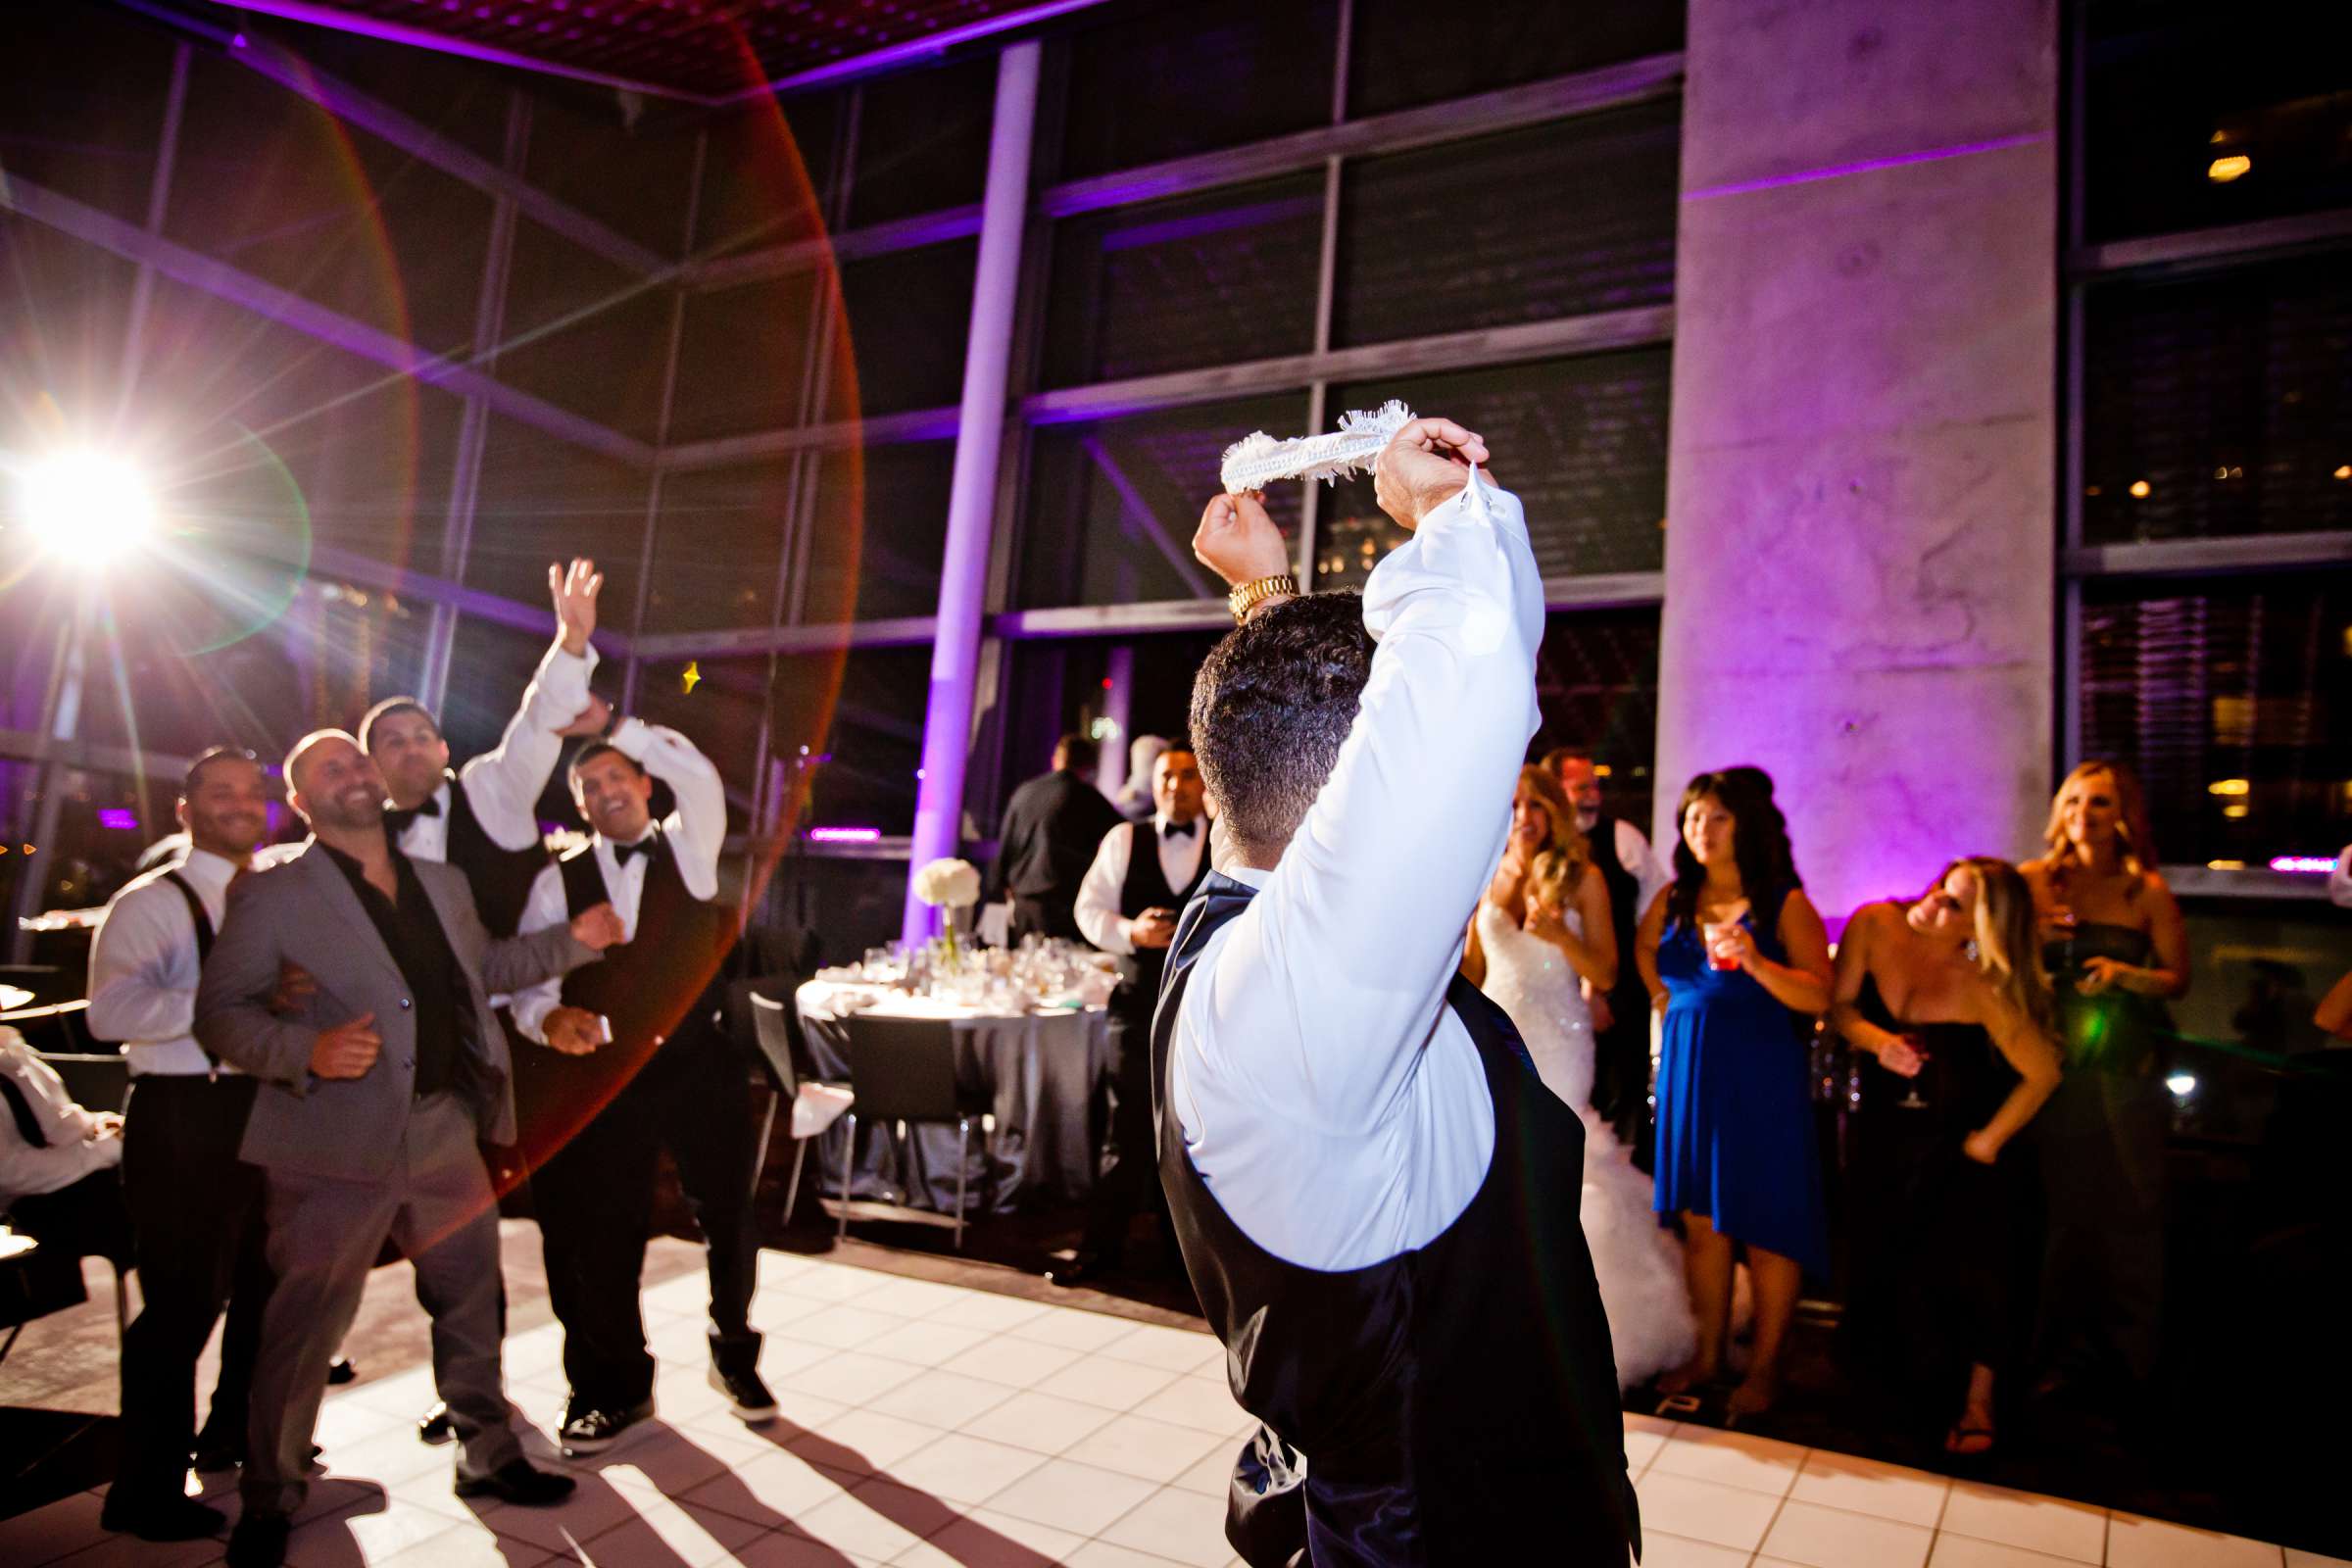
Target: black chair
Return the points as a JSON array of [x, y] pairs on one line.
[[773, 1023], [902, 1073]]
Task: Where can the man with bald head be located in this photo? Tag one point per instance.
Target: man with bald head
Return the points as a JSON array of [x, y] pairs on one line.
[[375, 1089]]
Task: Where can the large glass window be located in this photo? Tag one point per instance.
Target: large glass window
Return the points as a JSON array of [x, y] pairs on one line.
[[584, 334], [1179, 284], [880, 524], [2219, 404], [922, 140], [742, 358], [2232, 701], [84, 103], [540, 501], [1398, 59], [1114, 503], [717, 547], [910, 314]]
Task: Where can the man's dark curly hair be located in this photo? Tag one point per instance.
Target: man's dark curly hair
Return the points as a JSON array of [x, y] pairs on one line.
[[1271, 705]]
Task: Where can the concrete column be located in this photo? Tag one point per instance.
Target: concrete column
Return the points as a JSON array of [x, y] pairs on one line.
[[1861, 499], [973, 492]]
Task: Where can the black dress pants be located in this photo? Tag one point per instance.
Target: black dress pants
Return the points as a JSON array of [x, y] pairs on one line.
[[595, 1199], [1133, 1179], [196, 1214]]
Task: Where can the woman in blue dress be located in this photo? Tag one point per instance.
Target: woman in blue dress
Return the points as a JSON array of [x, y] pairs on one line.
[[1737, 957]]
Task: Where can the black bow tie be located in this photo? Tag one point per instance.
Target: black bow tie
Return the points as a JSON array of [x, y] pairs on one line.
[[1179, 830], [398, 818], [644, 846]]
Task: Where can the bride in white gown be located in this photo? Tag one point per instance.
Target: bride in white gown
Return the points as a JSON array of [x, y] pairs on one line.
[[1539, 897]]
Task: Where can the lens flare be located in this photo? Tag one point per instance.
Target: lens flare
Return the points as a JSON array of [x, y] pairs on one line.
[[87, 507]]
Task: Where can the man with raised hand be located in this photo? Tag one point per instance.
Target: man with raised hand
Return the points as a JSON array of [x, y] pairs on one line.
[[1376, 1197], [379, 1084]]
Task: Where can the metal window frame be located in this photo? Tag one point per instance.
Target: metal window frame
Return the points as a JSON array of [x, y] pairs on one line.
[[2085, 266]]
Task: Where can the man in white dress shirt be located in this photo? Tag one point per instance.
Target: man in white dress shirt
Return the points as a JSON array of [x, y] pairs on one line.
[[628, 1061], [1376, 1197], [195, 1206], [1127, 905]]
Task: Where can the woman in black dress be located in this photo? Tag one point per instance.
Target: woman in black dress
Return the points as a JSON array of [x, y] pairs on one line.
[[2117, 950], [1945, 997]]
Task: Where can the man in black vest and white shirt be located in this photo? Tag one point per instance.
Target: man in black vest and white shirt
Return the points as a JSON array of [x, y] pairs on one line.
[[1128, 905], [196, 1207], [630, 1062], [1376, 1197]]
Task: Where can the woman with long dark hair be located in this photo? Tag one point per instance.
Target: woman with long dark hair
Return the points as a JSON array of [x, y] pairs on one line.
[[1945, 997], [2116, 949], [1737, 957]]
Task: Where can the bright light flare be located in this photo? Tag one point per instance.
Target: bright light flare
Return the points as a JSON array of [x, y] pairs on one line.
[[85, 507], [2182, 1084]]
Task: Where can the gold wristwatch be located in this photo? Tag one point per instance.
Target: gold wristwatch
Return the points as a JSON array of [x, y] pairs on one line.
[[1249, 595]]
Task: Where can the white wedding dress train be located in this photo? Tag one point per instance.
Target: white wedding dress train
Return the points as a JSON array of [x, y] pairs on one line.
[[1639, 1266]]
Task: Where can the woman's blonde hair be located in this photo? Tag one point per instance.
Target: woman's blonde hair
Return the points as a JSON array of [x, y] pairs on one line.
[[2007, 936], [2136, 838], [1567, 840]]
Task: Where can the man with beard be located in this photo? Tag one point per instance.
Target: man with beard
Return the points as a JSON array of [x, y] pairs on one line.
[[379, 1084]]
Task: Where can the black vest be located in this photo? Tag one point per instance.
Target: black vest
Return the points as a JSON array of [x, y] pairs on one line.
[[1456, 1403], [500, 877], [652, 989], [1625, 914], [1146, 888]]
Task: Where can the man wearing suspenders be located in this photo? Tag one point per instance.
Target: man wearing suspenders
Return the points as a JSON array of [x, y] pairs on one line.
[[195, 1206], [484, 819], [630, 1062]]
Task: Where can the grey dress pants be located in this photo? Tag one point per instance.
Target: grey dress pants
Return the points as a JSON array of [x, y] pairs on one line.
[[325, 1234]]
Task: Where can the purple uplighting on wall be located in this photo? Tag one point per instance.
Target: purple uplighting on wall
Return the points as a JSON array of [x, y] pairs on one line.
[[1866, 166], [122, 819], [2304, 864], [845, 835]]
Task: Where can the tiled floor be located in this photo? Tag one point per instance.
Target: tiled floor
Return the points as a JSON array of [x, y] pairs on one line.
[[928, 1423]]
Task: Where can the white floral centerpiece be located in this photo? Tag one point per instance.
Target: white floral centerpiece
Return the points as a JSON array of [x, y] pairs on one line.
[[951, 885]]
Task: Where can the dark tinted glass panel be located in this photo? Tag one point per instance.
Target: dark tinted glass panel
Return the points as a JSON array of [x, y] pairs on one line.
[[1560, 219], [459, 98], [717, 547], [765, 175], [583, 333], [1062, 686], [1180, 285], [860, 764], [2218, 405], [1137, 80], [881, 520], [909, 316], [1113, 504], [922, 141], [1596, 682], [2232, 701], [489, 666], [542, 500], [83, 104], [635, 178], [1401, 56], [276, 186], [2201, 115], [1582, 442], [742, 357], [64, 311], [721, 714]]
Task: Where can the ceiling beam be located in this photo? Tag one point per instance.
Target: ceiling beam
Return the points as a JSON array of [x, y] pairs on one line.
[[290, 310], [916, 424]]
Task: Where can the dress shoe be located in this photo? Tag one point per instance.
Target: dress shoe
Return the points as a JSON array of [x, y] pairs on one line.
[[588, 1428], [746, 1393], [518, 1482], [1086, 1266], [258, 1540], [341, 1372], [434, 1426], [220, 1450], [164, 1519]]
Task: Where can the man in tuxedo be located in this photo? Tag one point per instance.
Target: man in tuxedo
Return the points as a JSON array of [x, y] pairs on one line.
[[195, 1206], [377, 1086], [628, 1061], [1620, 1017], [1376, 1197], [1053, 826], [1128, 905], [483, 818]]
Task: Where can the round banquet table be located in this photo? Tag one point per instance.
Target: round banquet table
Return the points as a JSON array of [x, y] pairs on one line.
[[1039, 1071]]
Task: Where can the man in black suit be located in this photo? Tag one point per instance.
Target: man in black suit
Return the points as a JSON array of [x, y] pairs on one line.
[[1053, 826]]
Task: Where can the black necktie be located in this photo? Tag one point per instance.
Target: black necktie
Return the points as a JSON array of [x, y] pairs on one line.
[[398, 818], [1179, 830], [27, 1123], [623, 852]]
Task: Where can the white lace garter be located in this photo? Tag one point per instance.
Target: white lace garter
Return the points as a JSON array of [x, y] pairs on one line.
[[1258, 459]]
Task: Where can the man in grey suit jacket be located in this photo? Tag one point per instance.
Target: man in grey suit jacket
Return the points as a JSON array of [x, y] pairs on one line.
[[376, 1087]]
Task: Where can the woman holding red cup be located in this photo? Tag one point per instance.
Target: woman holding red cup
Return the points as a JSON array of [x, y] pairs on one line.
[[1735, 957]]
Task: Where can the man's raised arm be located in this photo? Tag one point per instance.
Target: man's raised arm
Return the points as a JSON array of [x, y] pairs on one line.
[[698, 827], [503, 784]]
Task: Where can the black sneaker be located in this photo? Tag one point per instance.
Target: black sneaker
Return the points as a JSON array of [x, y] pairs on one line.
[[258, 1540], [746, 1393], [518, 1482], [164, 1519], [589, 1430], [434, 1426]]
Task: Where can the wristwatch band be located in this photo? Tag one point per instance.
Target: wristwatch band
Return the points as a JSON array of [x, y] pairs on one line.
[[1251, 593]]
